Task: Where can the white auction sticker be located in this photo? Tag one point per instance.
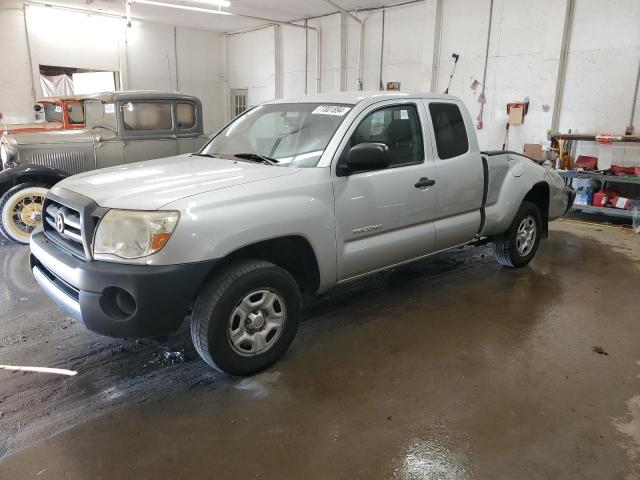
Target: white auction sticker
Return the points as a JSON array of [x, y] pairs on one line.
[[339, 110], [109, 108], [58, 109]]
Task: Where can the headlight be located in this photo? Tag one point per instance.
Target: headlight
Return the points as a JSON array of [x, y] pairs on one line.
[[132, 234], [7, 154]]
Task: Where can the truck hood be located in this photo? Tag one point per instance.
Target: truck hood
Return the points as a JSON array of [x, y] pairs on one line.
[[150, 185]]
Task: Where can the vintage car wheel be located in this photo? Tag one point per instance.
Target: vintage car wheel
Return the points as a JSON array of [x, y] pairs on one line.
[[21, 211], [245, 318]]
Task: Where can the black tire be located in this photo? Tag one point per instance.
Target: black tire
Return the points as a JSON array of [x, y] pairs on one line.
[[505, 246], [12, 231], [217, 301]]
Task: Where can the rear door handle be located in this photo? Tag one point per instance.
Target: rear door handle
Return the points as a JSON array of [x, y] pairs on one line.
[[425, 182]]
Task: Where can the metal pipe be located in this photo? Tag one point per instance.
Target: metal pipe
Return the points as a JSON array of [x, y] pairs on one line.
[[486, 62], [342, 10], [633, 102], [360, 85], [26, 32], [382, 47], [562, 64], [437, 41], [306, 59]]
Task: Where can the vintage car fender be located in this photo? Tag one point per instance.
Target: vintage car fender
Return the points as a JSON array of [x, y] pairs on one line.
[[29, 173]]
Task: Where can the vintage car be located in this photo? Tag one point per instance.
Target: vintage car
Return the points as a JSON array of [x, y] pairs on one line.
[[60, 113], [121, 127]]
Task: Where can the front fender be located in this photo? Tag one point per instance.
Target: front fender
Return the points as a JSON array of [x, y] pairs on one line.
[[30, 173]]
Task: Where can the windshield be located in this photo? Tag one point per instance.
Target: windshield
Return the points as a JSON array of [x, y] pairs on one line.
[[52, 112], [75, 113], [293, 134], [98, 114]]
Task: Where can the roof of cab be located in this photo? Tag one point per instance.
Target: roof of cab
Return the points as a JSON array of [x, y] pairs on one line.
[[128, 95], [355, 97]]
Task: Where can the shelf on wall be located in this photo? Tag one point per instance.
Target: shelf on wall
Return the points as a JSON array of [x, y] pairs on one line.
[[613, 212]]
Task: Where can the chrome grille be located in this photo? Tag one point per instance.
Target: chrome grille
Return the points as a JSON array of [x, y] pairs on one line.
[[63, 227], [69, 162]]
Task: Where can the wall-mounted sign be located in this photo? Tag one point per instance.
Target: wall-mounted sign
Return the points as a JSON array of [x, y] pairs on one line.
[[393, 86]]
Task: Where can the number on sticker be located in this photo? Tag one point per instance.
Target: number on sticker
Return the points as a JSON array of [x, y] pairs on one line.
[[331, 110]]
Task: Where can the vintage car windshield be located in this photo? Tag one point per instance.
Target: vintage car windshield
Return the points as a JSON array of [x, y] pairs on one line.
[[52, 112], [99, 114], [75, 113], [293, 134]]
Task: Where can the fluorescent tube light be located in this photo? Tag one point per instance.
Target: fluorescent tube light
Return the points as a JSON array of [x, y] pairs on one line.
[[183, 7]]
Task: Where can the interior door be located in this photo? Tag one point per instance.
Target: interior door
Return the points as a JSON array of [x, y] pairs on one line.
[[386, 217], [460, 173], [148, 130]]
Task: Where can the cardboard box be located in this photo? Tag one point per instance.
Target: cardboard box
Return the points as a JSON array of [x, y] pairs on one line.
[[533, 150], [516, 115]]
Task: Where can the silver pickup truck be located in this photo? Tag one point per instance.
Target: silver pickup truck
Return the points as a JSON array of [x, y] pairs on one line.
[[292, 196]]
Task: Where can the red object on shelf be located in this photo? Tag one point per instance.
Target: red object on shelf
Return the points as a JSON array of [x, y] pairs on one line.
[[600, 199], [584, 161], [618, 170]]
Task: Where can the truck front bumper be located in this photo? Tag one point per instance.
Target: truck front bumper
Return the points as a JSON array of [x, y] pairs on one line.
[[115, 299]]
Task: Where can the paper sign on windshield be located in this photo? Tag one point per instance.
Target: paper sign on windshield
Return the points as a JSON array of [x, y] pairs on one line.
[[109, 108], [339, 110]]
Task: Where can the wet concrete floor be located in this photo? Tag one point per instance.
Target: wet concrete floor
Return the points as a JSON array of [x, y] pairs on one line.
[[450, 368]]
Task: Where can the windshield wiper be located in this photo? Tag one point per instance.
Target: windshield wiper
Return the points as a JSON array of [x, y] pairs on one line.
[[258, 157], [205, 155]]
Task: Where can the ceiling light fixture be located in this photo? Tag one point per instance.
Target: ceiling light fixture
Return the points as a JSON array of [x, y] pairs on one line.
[[186, 7], [214, 3]]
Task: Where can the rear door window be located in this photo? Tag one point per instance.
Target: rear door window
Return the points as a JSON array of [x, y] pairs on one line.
[[449, 130], [147, 116]]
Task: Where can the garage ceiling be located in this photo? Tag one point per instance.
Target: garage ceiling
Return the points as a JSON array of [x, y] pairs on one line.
[[283, 10]]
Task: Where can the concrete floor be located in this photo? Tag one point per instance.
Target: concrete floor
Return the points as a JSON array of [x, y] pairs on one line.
[[451, 368]]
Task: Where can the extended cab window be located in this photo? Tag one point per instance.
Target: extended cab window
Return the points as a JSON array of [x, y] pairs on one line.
[[398, 127], [449, 129], [185, 115], [147, 116]]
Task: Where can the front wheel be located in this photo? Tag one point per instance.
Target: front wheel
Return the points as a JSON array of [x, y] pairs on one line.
[[518, 245], [245, 318], [21, 211]]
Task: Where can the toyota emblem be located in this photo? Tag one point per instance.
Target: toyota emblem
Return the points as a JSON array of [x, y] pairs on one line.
[[60, 222]]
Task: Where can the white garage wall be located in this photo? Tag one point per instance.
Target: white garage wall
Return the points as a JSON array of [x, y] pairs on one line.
[[526, 38], [148, 56], [16, 97], [251, 64]]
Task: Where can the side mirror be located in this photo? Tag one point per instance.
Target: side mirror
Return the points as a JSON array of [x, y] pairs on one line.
[[366, 157]]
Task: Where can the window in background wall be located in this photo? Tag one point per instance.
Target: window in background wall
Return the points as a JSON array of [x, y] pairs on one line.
[[60, 81], [238, 101], [93, 82]]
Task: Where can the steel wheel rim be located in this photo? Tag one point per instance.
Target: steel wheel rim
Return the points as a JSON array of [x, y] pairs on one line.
[[26, 214], [256, 322], [526, 235]]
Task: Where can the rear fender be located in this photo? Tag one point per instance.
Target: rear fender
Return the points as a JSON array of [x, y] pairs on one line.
[[522, 177], [29, 173]]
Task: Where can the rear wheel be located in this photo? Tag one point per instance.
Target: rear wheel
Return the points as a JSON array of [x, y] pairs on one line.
[[518, 245], [246, 317], [21, 211]]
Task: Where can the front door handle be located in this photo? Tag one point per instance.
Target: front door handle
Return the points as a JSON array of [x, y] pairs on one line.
[[425, 182]]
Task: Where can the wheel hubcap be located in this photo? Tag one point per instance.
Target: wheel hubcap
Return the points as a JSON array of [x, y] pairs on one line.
[[27, 213], [257, 322], [526, 236]]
